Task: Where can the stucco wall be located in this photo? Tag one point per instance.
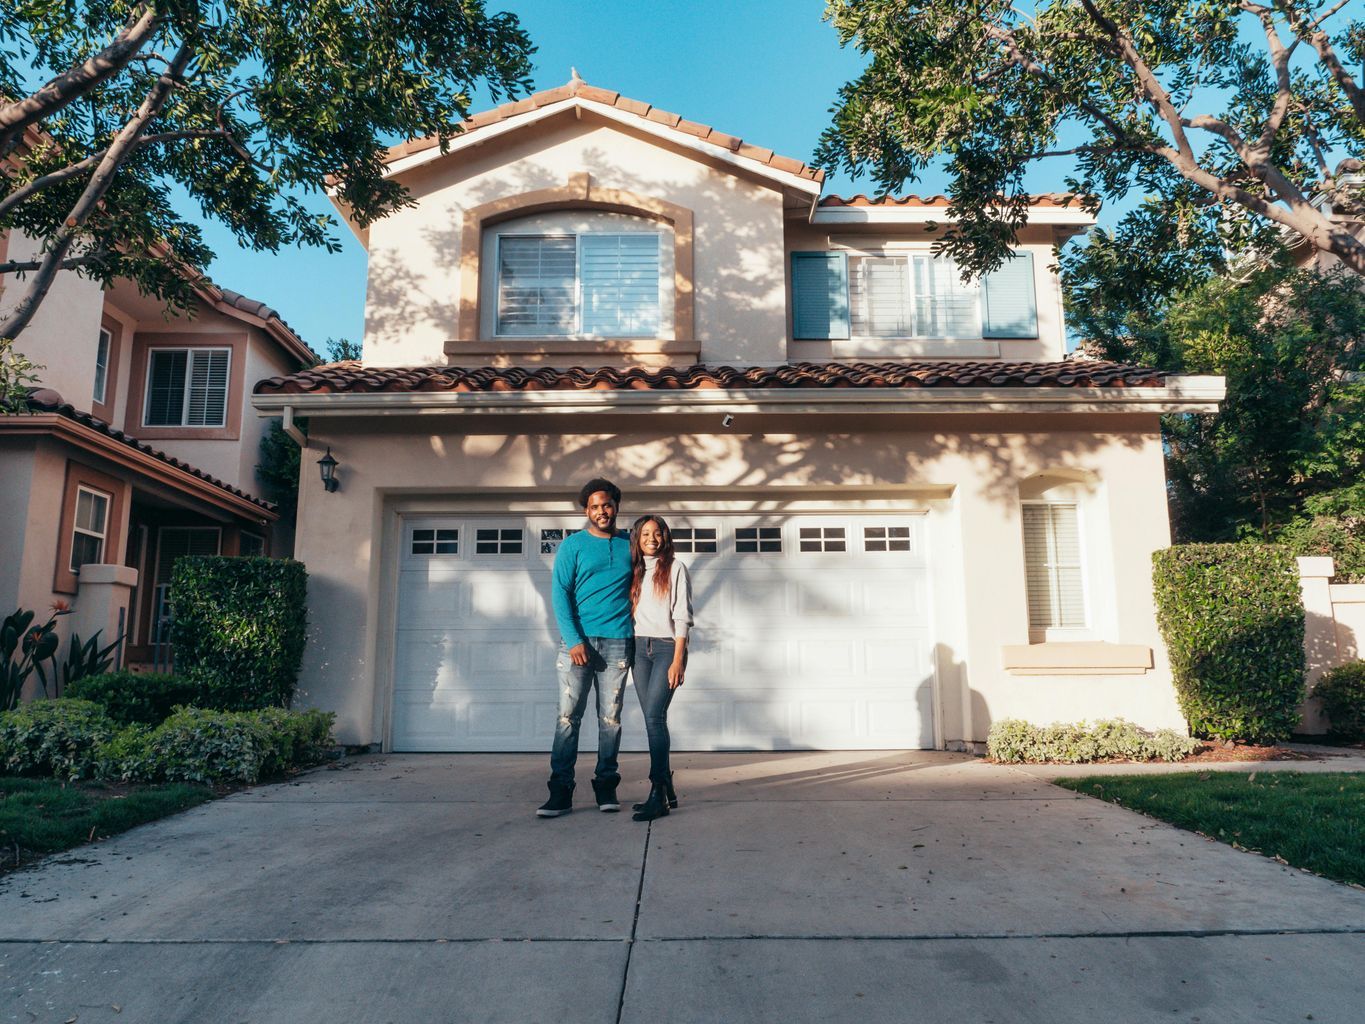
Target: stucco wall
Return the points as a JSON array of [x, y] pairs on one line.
[[967, 469], [414, 283], [16, 470]]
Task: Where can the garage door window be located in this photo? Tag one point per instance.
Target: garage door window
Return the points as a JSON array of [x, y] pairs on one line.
[[497, 542], [700, 540], [758, 540], [886, 538], [823, 538], [435, 542]]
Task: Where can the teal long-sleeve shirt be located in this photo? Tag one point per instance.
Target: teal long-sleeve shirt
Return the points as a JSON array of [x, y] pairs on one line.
[[591, 588]]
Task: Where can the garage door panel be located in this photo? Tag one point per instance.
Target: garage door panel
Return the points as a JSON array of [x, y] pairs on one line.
[[823, 647]]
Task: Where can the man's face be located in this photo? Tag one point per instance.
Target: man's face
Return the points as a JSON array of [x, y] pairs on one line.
[[601, 513]]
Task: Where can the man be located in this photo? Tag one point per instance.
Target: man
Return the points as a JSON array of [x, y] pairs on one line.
[[591, 597]]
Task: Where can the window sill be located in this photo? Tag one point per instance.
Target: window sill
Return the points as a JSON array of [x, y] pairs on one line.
[[559, 346], [1085, 658], [930, 348], [182, 433]]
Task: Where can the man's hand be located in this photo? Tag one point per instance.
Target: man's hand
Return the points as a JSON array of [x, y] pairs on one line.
[[579, 654]]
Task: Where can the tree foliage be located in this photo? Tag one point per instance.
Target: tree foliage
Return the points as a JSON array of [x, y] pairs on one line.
[[118, 106], [1233, 107]]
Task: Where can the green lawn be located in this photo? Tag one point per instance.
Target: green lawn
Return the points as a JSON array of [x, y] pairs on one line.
[[1310, 821], [39, 816]]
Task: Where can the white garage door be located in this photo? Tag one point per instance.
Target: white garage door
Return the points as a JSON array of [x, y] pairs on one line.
[[812, 632]]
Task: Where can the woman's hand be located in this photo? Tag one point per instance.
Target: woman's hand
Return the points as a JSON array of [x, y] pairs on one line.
[[675, 674]]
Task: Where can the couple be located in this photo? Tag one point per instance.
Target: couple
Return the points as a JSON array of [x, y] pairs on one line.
[[621, 605]]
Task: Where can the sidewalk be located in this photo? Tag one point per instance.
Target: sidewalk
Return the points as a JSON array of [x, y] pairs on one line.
[[867, 886]]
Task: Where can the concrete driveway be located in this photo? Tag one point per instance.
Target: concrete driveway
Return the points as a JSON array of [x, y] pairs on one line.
[[789, 887]]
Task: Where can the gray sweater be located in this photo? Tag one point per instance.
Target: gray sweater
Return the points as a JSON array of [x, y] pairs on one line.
[[668, 616]]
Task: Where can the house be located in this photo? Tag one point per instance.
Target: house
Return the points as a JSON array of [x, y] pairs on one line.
[[906, 513], [140, 447]]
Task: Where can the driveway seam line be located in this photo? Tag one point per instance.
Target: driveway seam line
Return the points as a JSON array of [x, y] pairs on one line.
[[634, 924]]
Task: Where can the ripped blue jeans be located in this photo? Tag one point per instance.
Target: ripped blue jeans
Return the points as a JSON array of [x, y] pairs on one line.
[[609, 660]]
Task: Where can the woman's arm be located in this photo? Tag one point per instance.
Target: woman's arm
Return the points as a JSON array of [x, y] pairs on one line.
[[680, 609]]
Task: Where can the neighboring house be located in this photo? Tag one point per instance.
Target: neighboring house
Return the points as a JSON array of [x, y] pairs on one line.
[[905, 513], [141, 447]]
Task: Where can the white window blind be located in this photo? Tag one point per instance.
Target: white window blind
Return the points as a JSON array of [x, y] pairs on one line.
[[1052, 559], [187, 387], [911, 297], [537, 285], [620, 275]]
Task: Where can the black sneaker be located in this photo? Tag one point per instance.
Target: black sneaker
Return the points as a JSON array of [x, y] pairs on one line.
[[606, 796], [560, 802]]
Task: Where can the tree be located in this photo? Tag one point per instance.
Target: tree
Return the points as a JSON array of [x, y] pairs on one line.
[[340, 350], [1128, 90], [1289, 441], [240, 104]]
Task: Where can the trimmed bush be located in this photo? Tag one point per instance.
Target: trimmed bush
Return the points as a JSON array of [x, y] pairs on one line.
[[1232, 618], [194, 745], [128, 697], [57, 737], [239, 628], [1342, 692], [1014, 741], [127, 755], [294, 738]]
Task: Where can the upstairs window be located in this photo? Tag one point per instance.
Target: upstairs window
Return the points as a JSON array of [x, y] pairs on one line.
[[838, 295], [102, 366], [187, 387], [1052, 561], [602, 285]]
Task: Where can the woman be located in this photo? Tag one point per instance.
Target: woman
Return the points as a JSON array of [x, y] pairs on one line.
[[661, 594]]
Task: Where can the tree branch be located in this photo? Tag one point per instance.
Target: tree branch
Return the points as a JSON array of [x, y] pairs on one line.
[[119, 150], [1316, 37], [142, 24], [70, 263], [1284, 89]]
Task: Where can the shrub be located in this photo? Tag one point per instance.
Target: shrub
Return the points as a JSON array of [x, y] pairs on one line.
[[57, 737], [127, 755], [239, 628], [1014, 741], [195, 745], [128, 697], [1232, 618], [1342, 692]]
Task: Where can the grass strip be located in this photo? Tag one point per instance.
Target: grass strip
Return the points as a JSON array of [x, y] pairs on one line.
[[1313, 821], [40, 816]]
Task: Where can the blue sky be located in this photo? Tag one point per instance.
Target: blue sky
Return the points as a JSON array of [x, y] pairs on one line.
[[765, 70]]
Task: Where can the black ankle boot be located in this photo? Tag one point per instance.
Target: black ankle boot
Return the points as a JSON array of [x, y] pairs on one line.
[[655, 807], [668, 791]]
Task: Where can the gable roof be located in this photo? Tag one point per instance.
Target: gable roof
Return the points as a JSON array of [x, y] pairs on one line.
[[578, 92]]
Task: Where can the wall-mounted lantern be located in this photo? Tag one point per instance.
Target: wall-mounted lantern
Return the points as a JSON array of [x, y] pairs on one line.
[[328, 467]]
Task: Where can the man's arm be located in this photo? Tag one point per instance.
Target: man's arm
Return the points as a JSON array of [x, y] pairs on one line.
[[562, 598]]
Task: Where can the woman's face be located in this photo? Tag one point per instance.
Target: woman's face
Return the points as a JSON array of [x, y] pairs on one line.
[[651, 538]]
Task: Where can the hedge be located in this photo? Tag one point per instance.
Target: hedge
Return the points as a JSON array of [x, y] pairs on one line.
[[58, 737], [1232, 619], [239, 627], [1014, 741], [129, 697], [1342, 692]]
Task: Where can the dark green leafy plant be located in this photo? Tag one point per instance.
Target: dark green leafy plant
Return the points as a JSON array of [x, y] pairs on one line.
[[239, 628], [58, 737], [22, 647], [195, 745], [1232, 619], [82, 659], [1342, 692], [130, 697]]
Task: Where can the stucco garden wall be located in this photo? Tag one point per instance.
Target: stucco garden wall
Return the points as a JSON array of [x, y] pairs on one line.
[[966, 471]]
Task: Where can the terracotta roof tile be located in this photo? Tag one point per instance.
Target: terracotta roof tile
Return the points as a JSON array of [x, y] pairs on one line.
[[1044, 199], [353, 378], [47, 400], [576, 87]]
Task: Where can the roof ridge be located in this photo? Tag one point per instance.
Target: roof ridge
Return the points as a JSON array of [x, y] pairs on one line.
[[577, 88]]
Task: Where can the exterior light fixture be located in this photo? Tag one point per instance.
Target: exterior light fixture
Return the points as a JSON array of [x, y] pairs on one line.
[[328, 467]]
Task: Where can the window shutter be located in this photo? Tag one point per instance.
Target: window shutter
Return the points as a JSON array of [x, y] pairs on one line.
[[1009, 299], [208, 388], [620, 277], [819, 295], [945, 307], [102, 366], [166, 389], [879, 297], [1052, 559], [536, 286]]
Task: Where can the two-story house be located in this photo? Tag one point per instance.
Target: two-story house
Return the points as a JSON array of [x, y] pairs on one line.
[[905, 513], [140, 446]]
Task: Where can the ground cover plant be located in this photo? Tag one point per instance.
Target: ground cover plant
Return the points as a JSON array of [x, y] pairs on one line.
[[1014, 741], [1311, 821], [42, 816]]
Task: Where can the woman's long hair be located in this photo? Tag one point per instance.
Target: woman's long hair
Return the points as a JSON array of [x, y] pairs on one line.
[[663, 569]]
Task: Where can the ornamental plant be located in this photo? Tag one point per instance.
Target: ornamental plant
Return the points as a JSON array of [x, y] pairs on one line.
[[1232, 619], [1342, 692]]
